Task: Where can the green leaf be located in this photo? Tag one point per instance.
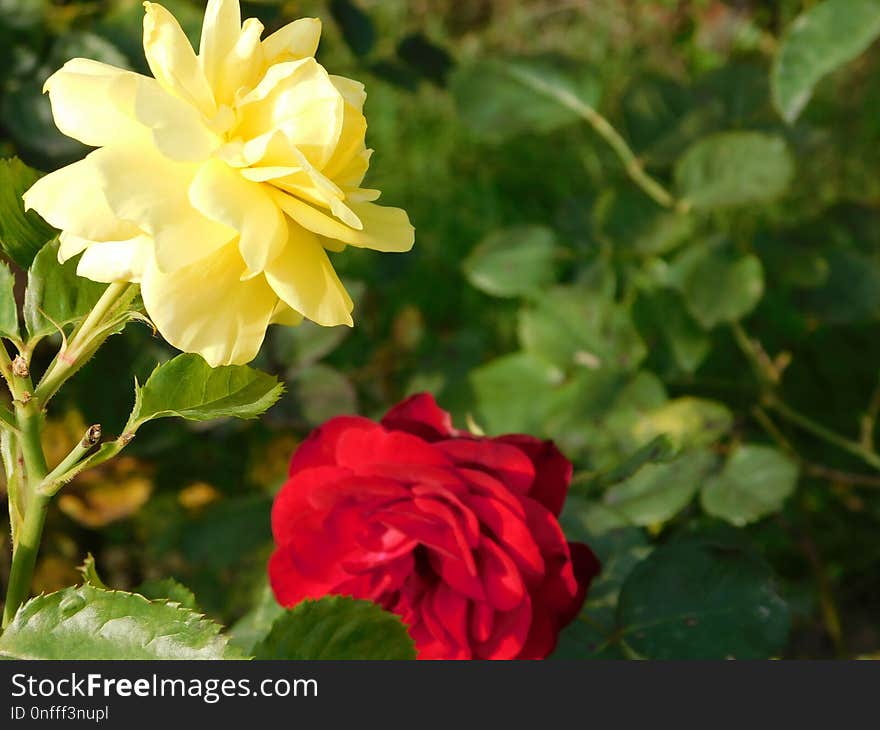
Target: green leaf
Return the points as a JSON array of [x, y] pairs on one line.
[[189, 388], [512, 392], [657, 449], [657, 492], [8, 308], [574, 327], [593, 634], [635, 223], [822, 39], [168, 589], [719, 287], [513, 261], [22, 234], [703, 597], [355, 24], [86, 622], [256, 624], [56, 296], [734, 169], [90, 572], [688, 422], [337, 627], [755, 482], [686, 338], [502, 97]]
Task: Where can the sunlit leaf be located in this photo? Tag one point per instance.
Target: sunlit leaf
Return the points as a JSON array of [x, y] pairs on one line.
[[826, 36], [190, 388], [90, 623]]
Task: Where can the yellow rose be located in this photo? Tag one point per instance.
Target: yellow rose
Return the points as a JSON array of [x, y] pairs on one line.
[[219, 184]]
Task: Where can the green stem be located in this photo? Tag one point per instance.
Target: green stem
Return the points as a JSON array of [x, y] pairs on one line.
[[769, 377], [605, 129], [65, 470], [87, 338], [818, 430], [24, 556]]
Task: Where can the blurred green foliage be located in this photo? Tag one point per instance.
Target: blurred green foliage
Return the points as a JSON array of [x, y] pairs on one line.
[[695, 325]]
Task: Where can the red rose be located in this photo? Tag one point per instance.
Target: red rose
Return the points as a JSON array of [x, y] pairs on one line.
[[456, 534]]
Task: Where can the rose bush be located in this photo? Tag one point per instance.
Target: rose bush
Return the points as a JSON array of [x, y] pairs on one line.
[[455, 533], [219, 184]]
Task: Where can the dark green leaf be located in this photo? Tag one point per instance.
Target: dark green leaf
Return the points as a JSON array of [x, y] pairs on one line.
[[8, 307], [355, 24], [704, 597], [56, 296], [337, 627], [22, 234]]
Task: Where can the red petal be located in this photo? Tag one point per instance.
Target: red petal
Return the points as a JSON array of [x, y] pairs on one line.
[[292, 510], [482, 618], [500, 576], [319, 448], [420, 415], [552, 470], [509, 631], [452, 608], [360, 449], [504, 461], [510, 531]]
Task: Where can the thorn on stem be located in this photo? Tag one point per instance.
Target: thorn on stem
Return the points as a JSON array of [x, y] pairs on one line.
[[20, 367], [92, 437], [26, 397]]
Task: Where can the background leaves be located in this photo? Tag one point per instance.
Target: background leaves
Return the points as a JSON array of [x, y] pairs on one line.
[[548, 293]]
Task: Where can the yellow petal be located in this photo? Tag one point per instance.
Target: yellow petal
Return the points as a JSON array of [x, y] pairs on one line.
[[220, 30], [206, 308], [299, 99], [178, 128], [173, 61], [83, 93], [304, 279], [70, 245], [295, 40], [153, 192], [223, 195], [72, 199], [385, 229], [243, 65], [284, 315], [115, 260]]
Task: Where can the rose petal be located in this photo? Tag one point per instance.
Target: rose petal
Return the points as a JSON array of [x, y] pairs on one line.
[[552, 470], [420, 415]]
